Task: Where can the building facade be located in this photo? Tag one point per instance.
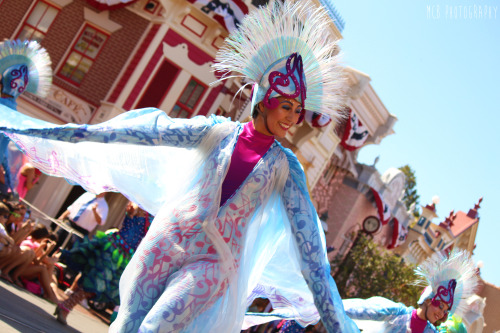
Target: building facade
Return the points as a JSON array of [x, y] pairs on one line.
[[89, 49], [425, 238], [487, 306], [347, 193]]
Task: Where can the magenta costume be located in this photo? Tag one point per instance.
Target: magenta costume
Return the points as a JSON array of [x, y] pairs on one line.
[[250, 148], [416, 324]]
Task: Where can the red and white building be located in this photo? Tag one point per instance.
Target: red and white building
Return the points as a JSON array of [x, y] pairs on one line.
[[458, 230], [350, 196]]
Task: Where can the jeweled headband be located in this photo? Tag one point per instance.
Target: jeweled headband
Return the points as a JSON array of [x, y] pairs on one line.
[[287, 82], [445, 293]]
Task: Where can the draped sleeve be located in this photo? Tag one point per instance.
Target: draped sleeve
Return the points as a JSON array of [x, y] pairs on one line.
[[144, 154], [148, 127], [374, 308], [381, 315], [311, 248]]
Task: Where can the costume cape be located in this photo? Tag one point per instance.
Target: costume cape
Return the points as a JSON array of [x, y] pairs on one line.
[[159, 163]]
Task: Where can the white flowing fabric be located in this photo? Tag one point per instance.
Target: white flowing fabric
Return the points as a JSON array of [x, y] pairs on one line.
[[265, 241]]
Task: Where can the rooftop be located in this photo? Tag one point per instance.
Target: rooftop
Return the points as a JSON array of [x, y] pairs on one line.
[[462, 222]]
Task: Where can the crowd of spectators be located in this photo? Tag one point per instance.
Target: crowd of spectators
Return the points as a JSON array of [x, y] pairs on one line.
[[261, 305], [25, 249], [28, 250]]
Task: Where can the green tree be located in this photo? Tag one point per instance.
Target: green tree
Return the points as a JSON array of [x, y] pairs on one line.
[[369, 270], [411, 196]]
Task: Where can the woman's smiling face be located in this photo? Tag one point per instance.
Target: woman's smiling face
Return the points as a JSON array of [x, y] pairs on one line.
[[437, 311], [279, 120]]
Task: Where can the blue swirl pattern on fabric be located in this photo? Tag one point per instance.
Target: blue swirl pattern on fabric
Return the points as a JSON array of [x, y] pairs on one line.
[[140, 158], [312, 248]]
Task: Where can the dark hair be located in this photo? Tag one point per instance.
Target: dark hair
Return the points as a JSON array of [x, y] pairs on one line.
[[53, 236], [39, 232], [10, 206], [9, 226], [255, 111], [4, 209]]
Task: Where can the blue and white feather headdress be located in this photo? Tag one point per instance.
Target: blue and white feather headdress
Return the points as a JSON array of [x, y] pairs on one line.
[[286, 49], [17, 55], [451, 279]]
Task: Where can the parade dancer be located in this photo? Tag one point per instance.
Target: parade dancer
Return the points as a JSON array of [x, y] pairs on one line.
[[449, 281], [102, 261], [24, 66], [233, 217]]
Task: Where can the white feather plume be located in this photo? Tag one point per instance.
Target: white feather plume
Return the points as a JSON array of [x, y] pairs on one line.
[[459, 266], [278, 30]]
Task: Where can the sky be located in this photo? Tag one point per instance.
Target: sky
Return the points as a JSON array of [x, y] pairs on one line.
[[435, 65]]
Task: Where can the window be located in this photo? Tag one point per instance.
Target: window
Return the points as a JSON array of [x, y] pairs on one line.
[[83, 54], [258, 3], [189, 99], [428, 238], [421, 221], [152, 6], [38, 22], [353, 183], [330, 173]]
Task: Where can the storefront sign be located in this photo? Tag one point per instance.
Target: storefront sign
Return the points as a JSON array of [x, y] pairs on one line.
[[63, 105]]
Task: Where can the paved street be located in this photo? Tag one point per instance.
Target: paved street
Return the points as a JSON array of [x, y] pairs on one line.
[[21, 311]]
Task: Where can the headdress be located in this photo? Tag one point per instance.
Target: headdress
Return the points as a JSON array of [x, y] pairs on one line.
[[286, 49], [450, 279], [24, 66]]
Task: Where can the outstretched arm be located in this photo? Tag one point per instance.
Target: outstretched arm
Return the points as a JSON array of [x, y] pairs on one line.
[[135, 153], [374, 308], [142, 127], [97, 216], [311, 248]]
